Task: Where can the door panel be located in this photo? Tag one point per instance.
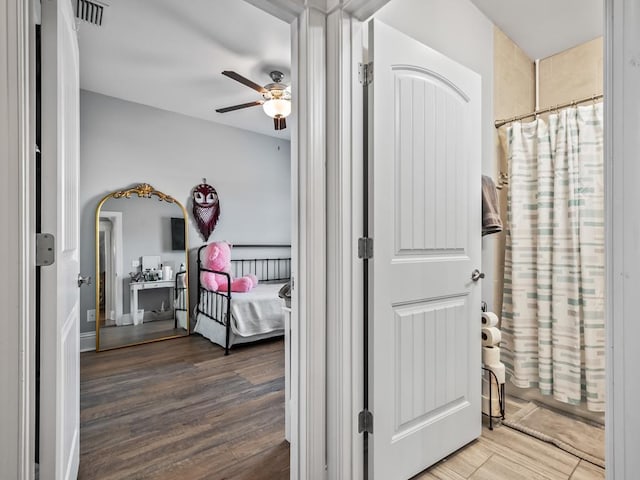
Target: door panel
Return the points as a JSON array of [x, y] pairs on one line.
[[424, 214], [60, 314]]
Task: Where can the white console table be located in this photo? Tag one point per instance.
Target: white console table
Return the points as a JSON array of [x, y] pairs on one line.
[[137, 286]]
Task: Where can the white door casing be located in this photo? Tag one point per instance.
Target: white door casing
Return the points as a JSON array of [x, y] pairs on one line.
[[106, 231], [115, 219], [424, 214], [60, 332]]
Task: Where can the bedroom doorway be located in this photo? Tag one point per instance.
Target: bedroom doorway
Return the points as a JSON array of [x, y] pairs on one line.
[[126, 138]]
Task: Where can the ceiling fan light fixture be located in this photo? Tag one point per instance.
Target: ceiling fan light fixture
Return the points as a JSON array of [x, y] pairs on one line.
[[276, 97], [277, 107]]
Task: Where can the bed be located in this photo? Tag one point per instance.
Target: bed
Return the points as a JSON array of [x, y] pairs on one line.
[[231, 318]]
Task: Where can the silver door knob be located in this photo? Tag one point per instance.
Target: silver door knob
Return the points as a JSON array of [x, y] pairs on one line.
[[476, 275], [84, 280]]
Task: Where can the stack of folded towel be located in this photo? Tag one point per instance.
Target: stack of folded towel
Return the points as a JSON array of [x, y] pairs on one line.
[[491, 221]]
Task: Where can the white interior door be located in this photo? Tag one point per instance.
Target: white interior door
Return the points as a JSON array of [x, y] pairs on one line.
[[60, 332], [424, 214]]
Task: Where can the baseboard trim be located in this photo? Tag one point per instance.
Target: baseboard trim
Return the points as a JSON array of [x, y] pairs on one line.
[[87, 341]]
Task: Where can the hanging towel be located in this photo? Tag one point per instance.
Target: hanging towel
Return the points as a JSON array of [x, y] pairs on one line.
[[491, 221]]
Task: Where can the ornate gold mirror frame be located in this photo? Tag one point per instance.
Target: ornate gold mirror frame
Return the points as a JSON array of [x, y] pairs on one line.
[[143, 190]]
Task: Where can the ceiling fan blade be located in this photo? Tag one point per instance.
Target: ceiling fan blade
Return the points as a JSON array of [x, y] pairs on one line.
[[238, 107], [279, 123], [245, 81]]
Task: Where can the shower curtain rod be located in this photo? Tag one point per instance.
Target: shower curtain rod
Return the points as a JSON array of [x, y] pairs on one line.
[[573, 103]]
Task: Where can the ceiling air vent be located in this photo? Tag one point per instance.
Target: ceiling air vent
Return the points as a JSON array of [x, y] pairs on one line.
[[90, 11]]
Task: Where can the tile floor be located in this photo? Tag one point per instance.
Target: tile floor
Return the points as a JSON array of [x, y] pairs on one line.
[[506, 454]]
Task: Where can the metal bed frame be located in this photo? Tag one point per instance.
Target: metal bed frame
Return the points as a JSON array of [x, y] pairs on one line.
[[217, 305], [180, 299]]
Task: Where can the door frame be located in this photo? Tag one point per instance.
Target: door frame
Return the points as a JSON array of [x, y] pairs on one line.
[[115, 243], [104, 234], [328, 241], [17, 242], [17, 130], [345, 274]]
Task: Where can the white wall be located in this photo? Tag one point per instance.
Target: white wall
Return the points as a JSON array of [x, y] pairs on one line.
[[123, 144], [459, 30]]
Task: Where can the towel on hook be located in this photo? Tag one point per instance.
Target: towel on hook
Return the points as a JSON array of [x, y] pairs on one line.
[[491, 221]]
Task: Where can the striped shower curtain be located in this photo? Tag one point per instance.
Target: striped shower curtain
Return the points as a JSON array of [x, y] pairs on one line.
[[553, 312]]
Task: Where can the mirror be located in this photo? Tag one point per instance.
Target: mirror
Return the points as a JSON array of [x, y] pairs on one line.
[[141, 259]]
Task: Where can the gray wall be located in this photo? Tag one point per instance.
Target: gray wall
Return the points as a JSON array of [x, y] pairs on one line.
[[459, 30], [123, 144]]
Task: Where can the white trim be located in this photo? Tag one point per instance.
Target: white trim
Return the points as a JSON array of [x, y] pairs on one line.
[[308, 145], [362, 9], [105, 231], [287, 10], [345, 382], [611, 428], [88, 342], [622, 149], [311, 281], [116, 246], [294, 427], [357, 215], [341, 423], [17, 217]]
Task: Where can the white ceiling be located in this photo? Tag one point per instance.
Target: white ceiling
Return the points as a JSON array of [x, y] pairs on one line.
[[169, 54], [545, 27]]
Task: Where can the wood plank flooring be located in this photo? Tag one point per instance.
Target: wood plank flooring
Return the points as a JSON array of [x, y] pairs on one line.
[[180, 409]]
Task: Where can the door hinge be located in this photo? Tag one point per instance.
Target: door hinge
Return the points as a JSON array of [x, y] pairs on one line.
[[45, 249], [365, 73], [365, 247], [365, 421]]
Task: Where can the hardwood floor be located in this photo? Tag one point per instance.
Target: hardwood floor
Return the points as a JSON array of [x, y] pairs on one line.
[[180, 409], [113, 337], [506, 454]]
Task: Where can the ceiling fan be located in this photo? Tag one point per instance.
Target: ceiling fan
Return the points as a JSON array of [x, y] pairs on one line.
[[276, 97]]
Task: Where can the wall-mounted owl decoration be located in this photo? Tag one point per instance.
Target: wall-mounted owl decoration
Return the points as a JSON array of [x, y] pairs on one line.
[[206, 208]]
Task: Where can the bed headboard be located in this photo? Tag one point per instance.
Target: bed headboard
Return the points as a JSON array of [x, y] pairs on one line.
[[268, 262]]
